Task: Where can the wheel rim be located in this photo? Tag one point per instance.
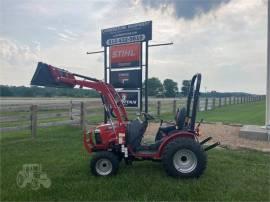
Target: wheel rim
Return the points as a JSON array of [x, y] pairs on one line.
[[185, 160], [20, 180], [103, 167]]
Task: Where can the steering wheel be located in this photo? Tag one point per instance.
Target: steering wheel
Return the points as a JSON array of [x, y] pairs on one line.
[[148, 116]]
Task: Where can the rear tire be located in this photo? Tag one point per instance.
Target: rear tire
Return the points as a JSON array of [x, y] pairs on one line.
[[184, 157], [104, 164]]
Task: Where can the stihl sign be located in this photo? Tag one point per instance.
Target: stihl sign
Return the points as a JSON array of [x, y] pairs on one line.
[[127, 55]]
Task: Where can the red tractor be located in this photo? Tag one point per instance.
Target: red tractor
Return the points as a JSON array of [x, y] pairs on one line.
[[176, 145]]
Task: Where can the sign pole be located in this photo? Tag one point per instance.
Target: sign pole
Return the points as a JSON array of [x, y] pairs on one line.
[[105, 78], [268, 73], [141, 87], [146, 78]]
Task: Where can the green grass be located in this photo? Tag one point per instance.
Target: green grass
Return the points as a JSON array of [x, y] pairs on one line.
[[249, 113], [231, 175]]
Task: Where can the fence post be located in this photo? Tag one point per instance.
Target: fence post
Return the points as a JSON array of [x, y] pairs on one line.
[[225, 101], [230, 100], [33, 110], [70, 110], [158, 107], [241, 99], [219, 102], [206, 104], [174, 106], [214, 103], [82, 116]]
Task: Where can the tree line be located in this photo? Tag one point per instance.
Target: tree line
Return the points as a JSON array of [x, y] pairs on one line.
[[169, 88], [156, 88], [34, 91]]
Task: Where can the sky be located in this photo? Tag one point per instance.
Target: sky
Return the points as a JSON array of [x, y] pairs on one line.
[[225, 40]]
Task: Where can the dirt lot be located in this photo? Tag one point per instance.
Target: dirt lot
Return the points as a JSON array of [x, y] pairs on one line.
[[227, 135]]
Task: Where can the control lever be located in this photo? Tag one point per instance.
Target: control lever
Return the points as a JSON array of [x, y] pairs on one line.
[[199, 124]]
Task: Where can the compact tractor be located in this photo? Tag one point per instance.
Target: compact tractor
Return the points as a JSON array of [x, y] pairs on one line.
[[32, 174], [176, 145]]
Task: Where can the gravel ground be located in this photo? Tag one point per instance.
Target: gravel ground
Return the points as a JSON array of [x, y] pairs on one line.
[[227, 135]]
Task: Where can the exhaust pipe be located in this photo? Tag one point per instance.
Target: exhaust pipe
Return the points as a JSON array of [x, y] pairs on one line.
[[211, 146]]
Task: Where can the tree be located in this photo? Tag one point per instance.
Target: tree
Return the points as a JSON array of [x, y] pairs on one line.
[[185, 87], [154, 86], [5, 91], [170, 88]]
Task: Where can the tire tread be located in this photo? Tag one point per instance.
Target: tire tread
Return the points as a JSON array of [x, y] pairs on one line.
[[104, 154], [176, 144]]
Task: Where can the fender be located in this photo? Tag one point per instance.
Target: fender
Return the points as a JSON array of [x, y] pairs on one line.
[[173, 135]]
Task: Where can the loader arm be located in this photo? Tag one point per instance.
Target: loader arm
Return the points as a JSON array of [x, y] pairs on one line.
[[106, 90], [50, 76]]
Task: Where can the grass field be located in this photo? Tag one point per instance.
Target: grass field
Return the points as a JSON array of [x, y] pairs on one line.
[[249, 113], [231, 175]]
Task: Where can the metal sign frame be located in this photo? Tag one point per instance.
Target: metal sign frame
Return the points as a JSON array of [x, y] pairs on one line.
[[143, 28]]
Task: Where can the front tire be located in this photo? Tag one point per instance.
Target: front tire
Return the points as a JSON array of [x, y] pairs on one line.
[[184, 157], [104, 164]]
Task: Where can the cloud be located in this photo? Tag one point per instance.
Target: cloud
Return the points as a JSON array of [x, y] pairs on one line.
[[227, 43], [66, 37], [51, 28], [187, 9], [16, 61]]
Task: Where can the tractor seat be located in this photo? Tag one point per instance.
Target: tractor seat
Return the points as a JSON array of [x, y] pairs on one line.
[[167, 128], [135, 132]]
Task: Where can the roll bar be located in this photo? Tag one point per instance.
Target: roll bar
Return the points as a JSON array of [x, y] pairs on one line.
[[195, 96]]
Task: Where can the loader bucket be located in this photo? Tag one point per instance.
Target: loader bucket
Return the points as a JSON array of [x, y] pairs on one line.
[[47, 75]]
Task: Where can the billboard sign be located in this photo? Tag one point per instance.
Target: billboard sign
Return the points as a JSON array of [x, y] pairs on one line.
[[131, 33], [126, 55], [129, 98], [126, 78]]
